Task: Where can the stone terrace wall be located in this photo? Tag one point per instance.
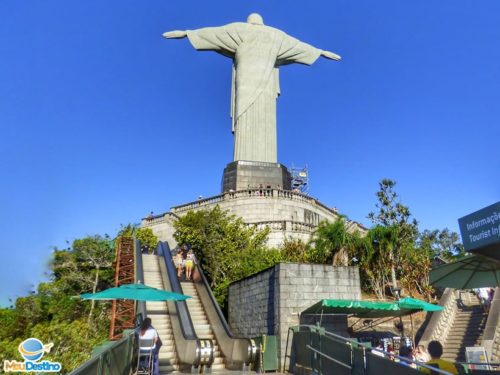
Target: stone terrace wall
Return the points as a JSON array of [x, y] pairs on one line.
[[271, 301], [287, 214]]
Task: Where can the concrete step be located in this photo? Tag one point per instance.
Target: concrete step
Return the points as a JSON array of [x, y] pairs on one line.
[[167, 347], [466, 319], [461, 335], [195, 307], [160, 318], [205, 336], [218, 366], [165, 335], [201, 326], [168, 369], [194, 304], [196, 313], [218, 360], [167, 361], [200, 321]]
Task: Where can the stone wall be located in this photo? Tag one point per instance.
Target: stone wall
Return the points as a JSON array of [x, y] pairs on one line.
[[271, 301]]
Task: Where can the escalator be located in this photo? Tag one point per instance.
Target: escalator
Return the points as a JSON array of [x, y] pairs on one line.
[[160, 318], [195, 334], [201, 324]]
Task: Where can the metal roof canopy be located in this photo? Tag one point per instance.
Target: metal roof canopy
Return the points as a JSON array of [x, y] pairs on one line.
[[371, 309]]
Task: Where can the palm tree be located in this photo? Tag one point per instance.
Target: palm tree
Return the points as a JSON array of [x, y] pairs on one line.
[[332, 243]]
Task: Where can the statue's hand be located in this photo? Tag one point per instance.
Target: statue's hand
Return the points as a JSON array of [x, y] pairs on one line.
[[330, 55], [175, 34]]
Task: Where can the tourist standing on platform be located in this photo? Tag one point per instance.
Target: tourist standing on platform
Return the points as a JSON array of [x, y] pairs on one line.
[[435, 349]]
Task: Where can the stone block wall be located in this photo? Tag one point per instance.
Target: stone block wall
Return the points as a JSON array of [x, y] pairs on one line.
[[271, 301]]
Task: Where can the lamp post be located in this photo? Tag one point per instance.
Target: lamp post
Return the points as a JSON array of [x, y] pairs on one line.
[[396, 292]]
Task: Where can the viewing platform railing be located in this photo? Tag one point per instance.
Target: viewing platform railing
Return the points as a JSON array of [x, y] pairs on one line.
[[116, 358], [252, 192]]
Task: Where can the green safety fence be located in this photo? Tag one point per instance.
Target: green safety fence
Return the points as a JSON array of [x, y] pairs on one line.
[[114, 359], [312, 350]]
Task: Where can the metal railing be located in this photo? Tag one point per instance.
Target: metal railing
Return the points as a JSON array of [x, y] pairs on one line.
[[441, 321], [115, 359], [491, 336], [314, 350]]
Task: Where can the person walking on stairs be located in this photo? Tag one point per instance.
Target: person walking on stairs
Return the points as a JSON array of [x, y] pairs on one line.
[[190, 260]]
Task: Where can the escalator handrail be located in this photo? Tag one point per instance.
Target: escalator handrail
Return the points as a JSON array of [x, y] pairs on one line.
[[139, 277], [251, 345], [215, 303], [187, 326]]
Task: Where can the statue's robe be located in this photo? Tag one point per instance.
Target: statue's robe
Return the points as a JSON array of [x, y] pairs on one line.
[[257, 51]]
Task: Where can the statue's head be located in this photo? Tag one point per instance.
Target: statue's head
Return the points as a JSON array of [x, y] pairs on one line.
[[255, 19]]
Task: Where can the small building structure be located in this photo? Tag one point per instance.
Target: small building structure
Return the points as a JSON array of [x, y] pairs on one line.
[[270, 302]]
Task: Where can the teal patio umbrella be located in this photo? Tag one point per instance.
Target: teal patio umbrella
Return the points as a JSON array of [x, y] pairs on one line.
[[137, 292], [471, 272]]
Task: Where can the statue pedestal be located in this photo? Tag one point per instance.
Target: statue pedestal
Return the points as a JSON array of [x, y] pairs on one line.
[[241, 174]]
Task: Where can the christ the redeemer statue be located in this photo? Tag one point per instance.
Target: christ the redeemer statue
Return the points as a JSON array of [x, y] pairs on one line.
[[257, 51]]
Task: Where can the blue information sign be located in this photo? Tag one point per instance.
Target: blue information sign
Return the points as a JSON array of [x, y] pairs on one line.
[[481, 231]]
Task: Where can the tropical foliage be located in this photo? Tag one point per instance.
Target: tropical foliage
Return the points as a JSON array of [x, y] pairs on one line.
[[332, 243], [392, 255], [52, 314], [227, 249], [145, 236]]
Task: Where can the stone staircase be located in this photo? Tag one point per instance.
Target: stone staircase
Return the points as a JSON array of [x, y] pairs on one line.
[[467, 327], [201, 324], [158, 312]]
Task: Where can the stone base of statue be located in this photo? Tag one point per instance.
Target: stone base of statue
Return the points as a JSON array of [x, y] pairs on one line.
[[240, 175]]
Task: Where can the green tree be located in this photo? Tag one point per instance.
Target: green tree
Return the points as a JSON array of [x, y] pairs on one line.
[[147, 238], [295, 250], [396, 216], [225, 246], [332, 243], [372, 259], [443, 243], [93, 254], [52, 314]]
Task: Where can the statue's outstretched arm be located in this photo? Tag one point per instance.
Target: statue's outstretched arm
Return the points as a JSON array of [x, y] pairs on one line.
[[330, 55], [176, 34]]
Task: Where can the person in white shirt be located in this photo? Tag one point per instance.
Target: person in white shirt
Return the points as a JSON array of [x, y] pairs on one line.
[[147, 332], [484, 298]]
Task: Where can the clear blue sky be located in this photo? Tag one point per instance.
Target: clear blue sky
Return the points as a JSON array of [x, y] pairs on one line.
[[102, 120]]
